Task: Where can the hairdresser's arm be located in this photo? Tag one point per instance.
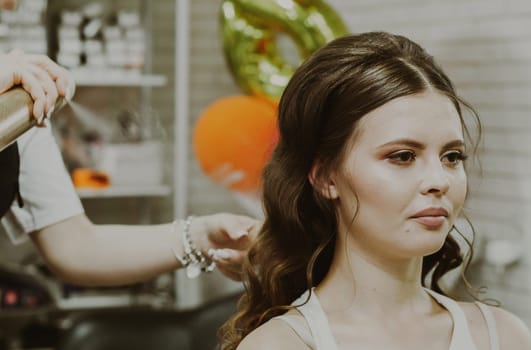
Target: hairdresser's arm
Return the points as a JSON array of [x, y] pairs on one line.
[[37, 74], [82, 253]]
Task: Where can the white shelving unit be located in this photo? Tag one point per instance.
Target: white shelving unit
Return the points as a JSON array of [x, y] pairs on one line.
[[125, 191], [101, 78], [95, 301], [108, 79]]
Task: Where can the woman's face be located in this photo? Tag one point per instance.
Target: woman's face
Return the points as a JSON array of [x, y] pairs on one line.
[[404, 174]]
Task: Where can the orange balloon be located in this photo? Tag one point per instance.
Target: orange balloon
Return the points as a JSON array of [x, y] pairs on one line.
[[233, 140]]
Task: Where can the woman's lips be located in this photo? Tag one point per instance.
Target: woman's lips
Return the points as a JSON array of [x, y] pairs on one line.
[[431, 217], [432, 222]]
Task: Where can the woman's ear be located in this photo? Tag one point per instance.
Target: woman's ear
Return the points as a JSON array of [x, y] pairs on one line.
[[326, 187]]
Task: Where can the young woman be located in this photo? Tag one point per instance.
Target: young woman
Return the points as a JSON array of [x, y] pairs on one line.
[[361, 197]]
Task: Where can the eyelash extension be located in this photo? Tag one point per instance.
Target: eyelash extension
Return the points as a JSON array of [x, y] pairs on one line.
[[463, 156], [460, 155], [396, 156]]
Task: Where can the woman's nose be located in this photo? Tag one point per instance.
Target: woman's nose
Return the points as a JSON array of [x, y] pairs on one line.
[[435, 179]]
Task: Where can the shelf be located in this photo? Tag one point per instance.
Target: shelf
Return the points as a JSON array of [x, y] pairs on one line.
[[107, 77], [95, 301], [125, 191], [113, 300]]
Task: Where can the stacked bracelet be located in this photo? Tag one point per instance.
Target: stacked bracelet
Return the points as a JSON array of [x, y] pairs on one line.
[[193, 260]]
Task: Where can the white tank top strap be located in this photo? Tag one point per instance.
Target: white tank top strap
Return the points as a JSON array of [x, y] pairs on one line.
[[315, 316], [491, 326], [320, 337], [461, 337], [300, 328]]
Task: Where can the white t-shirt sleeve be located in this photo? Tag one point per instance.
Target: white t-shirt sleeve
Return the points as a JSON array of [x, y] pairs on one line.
[[45, 187]]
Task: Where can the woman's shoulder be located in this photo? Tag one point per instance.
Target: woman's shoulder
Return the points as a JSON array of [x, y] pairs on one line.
[[511, 331], [274, 334]]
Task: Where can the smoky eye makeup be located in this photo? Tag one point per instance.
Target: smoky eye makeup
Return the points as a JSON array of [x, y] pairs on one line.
[[454, 156], [401, 156]]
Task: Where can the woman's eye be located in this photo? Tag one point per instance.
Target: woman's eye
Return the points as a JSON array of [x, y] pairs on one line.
[[454, 157], [402, 157]]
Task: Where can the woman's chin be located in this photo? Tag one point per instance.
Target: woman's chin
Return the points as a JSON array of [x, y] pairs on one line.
[[424, 246]]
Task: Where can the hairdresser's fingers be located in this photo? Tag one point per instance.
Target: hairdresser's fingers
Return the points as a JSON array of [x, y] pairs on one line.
[[231, 231], [63, 78], [220, 239], [6, 80], [31, 84], [243, 227], [7, 74], [9, 70], [49, 87], [18, 71], [229, 262], [234, 226]]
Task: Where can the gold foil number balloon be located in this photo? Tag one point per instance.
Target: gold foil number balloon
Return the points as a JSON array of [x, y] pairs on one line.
[[250, 28]]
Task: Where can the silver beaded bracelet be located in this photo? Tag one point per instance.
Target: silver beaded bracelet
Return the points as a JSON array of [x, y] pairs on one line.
[[193, 260]]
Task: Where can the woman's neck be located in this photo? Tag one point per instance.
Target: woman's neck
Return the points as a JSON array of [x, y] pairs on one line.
[[373, 285]]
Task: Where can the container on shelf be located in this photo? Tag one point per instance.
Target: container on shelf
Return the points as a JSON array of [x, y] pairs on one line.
[[132, 164]]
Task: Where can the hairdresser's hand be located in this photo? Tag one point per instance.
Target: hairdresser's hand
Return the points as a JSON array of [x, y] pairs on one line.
[[40, 76], [229, 236]]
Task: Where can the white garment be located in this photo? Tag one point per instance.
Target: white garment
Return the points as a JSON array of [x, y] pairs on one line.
[[319, 335], [45, 186]]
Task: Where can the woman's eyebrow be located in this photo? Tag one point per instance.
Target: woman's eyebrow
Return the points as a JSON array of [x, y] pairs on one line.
[[404, 142], [418, 145], [455, 144]]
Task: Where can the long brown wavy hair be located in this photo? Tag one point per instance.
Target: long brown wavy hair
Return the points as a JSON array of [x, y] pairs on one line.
[[318, 114]]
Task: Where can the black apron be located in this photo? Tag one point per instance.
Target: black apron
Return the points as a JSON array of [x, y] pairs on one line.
[[9, 171]]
